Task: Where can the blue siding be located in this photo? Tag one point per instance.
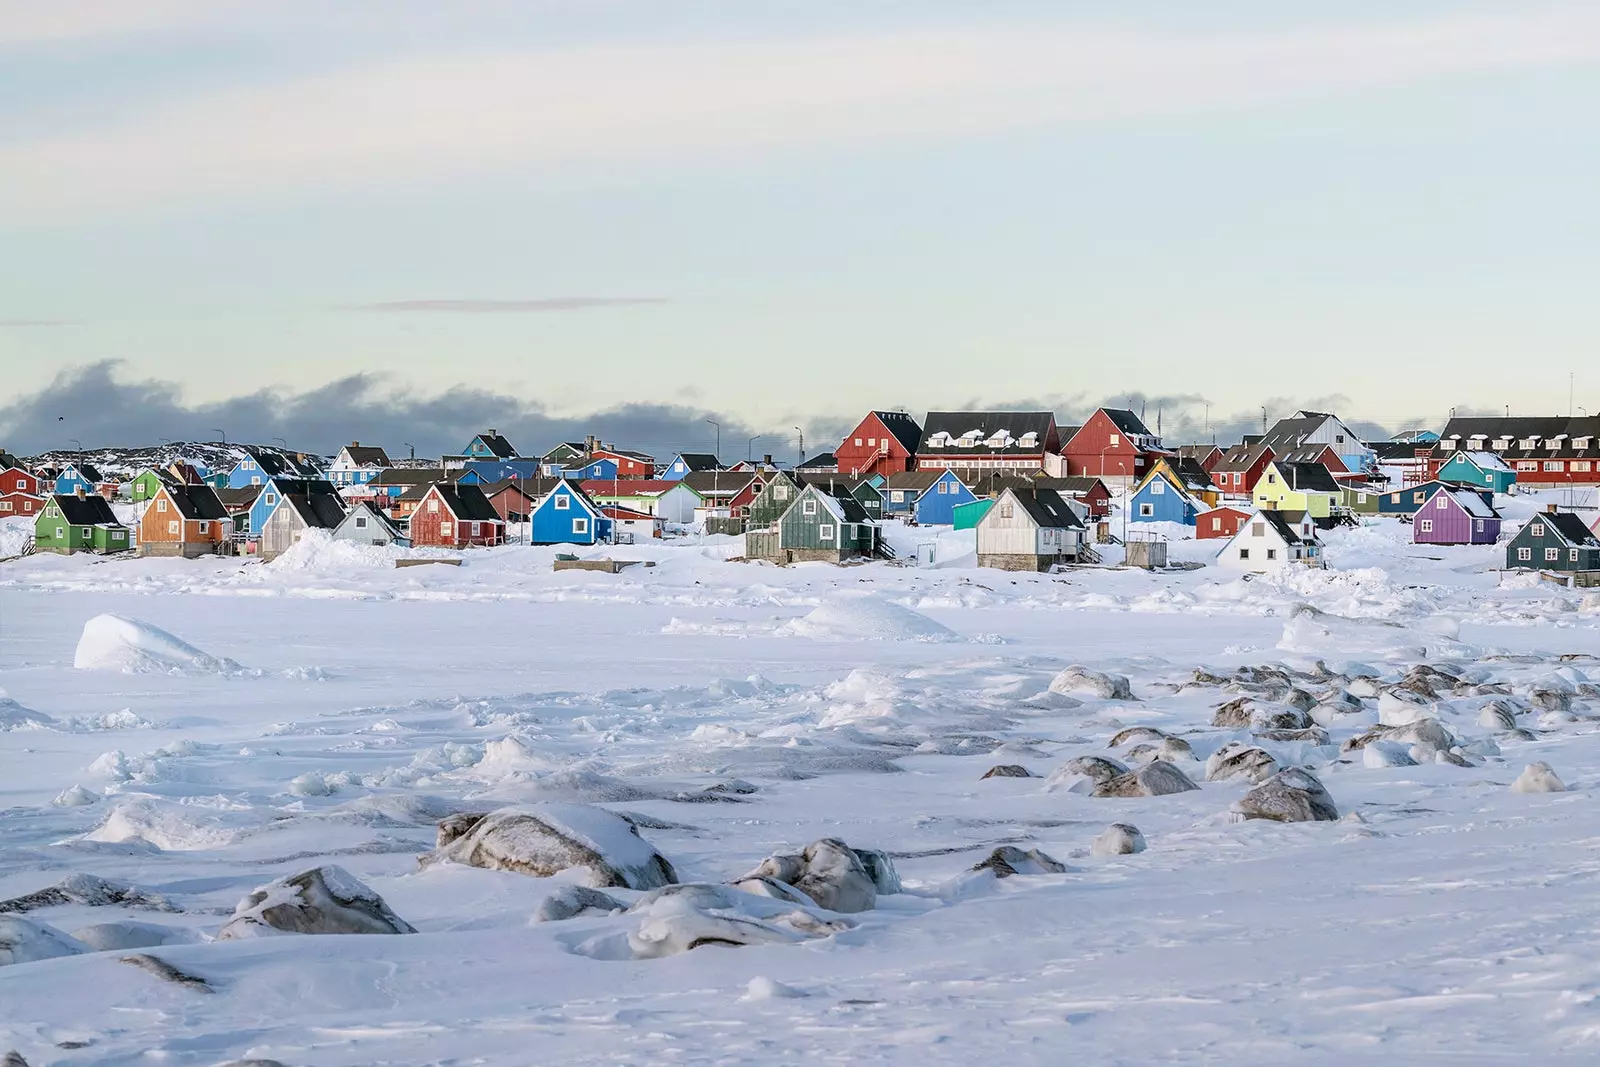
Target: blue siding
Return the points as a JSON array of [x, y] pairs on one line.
[[937, 504], [1169, 504], [69, 481], [495, 470], [260, 511], [558, 517], [245, 473], [905, 506], [598, 470], [1462, 469]]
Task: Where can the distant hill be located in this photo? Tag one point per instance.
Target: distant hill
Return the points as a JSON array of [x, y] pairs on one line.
[[126, 462]]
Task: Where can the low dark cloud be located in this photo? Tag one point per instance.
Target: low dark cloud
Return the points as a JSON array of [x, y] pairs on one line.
[[481, 307]]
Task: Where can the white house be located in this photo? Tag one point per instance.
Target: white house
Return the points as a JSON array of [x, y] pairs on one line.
[[358, 464], [1030, 530], [1272, 539]]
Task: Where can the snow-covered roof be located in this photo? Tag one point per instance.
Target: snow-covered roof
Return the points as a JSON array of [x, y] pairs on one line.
[[1472, 503], [1486, 461]]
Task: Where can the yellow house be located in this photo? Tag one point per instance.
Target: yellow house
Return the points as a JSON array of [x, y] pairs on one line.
[[1307, 487]]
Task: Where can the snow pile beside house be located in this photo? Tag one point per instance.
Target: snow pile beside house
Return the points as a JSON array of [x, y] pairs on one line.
[[118, 643]]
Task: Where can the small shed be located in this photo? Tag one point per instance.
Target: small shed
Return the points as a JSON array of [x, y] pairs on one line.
[[968, 515]]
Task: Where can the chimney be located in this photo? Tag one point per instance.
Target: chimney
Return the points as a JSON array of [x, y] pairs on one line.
[[767, 459], [491, 432], [83, 493], [1551, 509], [355, 444]]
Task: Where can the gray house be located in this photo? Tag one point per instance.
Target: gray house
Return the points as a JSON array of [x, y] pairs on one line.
[[1030, 530], [366, 525]]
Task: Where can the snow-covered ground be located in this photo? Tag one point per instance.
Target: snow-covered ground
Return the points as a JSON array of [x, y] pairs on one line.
[[198, 729]]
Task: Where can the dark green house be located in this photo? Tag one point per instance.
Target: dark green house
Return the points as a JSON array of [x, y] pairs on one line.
[[828, 526], [772, 501], [1554, 541], [79, 524], [868, 490]]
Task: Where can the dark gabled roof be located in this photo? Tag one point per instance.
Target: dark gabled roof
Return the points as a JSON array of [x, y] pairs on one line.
[[1570, 526], [1292, 432], [367, 455], [827, 479], [1194, 477], [1388, 451], [634, 454], [1307, 477], [903, 427], [86, 471], [918, 481], [699, 461], [821, 459], [467, 502], [1127, 422], [1047, 508], [411, 476], [1516, 427], [90, 510], [1074, 484], [1015, 424], [1311, 453], [1241, 457], [196, 501], [532, 488], [305, 486], [241, 499], [319, 511], [1197, 452], [718, 482], [1067, 433], [1284, 522], [848, 505], [8, 461], [497, 444]]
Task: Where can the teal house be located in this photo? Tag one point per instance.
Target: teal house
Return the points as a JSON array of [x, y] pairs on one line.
[[1483, 470]]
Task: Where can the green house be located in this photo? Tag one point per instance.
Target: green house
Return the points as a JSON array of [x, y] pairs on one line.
[[79, 524], [1359, 499], [1554, 541], [1483, 470], [772, 501], [146, 485], [830, 526]]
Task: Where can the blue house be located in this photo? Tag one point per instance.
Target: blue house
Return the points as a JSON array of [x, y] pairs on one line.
[[1161, 497], [689, 462], [1481, 470], [257, 467], [273, 492], [487, 471], [77, 479], [566, 516], [599, 470], [1406, 501], [489, 445], [936, 505]]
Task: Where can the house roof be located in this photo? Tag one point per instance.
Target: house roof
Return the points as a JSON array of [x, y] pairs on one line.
[[1470, 502], [1286, 523], [1484, 461], [90, 510], [914, 480], [824, 479], [1010, 426], [718, 483], [272, 464], [394, 528], [1127, 422], [1194, 477], [319, 511], [466, 502], [1242, 457], [497, 444], [1570, 527], [845, 507], [628, 453], [196, 501], [616, 511], [367, 455], [903, 427], [87, 471], [820, 460], [1067, 433], [240, 499], [1047, 508], [1197, 452], [1307, 477], [1515, 427], [531, 488], [411, 476], [699, 461]]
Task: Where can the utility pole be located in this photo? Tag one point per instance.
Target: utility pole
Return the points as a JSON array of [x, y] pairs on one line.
[[1263, 419]]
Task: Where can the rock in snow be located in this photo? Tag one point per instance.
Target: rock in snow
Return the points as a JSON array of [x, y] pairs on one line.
[[1118, 839], [681, 918], [121, 936], [1538, 778], [1292, 795], [1008, 860], [1082, 774], [118, 643], [831, 873], [1095, 683], [1498, 715], [545, 839], [1235, 760], [24, 941], [323, 900], [1152, 780], [1386, 754], [573, 900], [1007, 770]]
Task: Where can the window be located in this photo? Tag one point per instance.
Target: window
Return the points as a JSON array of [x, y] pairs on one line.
[[1216, 523], [172, 527], [1480, 525], [1527, 465], [1551, 555], [1272, 553], [161, 505], [1579, 465], [444, 529], [580, 526], [1538, 530], [858, 442], [872, 442], [1425, 525], [781, 492], [897, 496], [5, 505], [1146, 510], [255, 481], [475, 529], [1244, 553], [269, 499], [1524, 553], [1361, 498], [1258, 529], [1442, 503], [433, 507], [361, 522], [1418, 497], [1005, 511], [808, 507], [1272, 479], [117, 535], [825, 531], [944, 487], [1338, 438], [563, 502], [1158, 487], [1572, 555], [1553, 465], [1113, 441]]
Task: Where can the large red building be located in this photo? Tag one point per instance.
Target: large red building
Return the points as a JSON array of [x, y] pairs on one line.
[[885, 442], [1114, 445]]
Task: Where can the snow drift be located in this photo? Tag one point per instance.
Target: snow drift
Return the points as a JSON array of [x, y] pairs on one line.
[[118, 643], [866, 617]]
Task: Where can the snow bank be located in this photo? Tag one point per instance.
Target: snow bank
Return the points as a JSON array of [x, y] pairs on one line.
[[118, 643], [170, 827], [14, 716], [318, 553], [14, 535], [866, 617], [24, 941]]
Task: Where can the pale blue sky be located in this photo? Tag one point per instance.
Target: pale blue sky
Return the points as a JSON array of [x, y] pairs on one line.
[[830, 206]]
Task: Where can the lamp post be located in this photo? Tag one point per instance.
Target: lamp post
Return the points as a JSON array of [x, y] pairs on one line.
[[718, 425], [802, 434], [221, 434], [750, 448]]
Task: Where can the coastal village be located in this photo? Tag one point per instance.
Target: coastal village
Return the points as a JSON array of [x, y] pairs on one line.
[[1035, 494]]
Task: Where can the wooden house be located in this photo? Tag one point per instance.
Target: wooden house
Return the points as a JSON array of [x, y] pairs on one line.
[[1324, 455], [514, 499], [592, 469], [1484, 470], [1030, 530], [635, 494], [1455, 517], [826, 526], [989, 441], [900, 491], [237, 503], [1307, 487], [279, 486], [1162, 495], [771, 501], [1360, 499], [357, 464], [632, 527], [1115, 446], [1409, 500], [1205, 456], [450, 515], [78, 479], [867, 489], [883, 443], [1240, 467], [294, 514], [1320, 428], [1554, 541], [723, 494], [1270, 539], [20, 493], [390, 486], [629, 464], [936, 504], [490, 444], [967, 516], [679, 504], [1222, 521], [256, 467], [26, 505], [365, 524], [487, 471], [1544, 453], [821, 463], [686, 463], [566, 516], [184, 520], [71, 523], [147, 483]]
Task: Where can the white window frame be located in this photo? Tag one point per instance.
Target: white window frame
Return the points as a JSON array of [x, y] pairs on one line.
[[1425, 525], [825, 531], [1525, 554], [580, 525], [563, 502], [1552, 555], [808, 507]]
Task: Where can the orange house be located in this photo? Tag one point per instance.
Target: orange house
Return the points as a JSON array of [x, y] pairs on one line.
[[184, 520]]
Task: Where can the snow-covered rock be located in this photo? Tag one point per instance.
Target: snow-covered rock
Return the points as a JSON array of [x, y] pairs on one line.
[[681, 918], [322, 900], [24, 941], [866, 617], [1155, 779], [571, 901], [1498, 715], [1292, 795], [1008, 860], [127, 934], [14, 716], [1378, 754], [1235, 760], [118, 643], [1082, 774], [1134, 734], [1400, 707], [545, 839], [1008, 770], [828, 871], [1538, 778], [1118, 839], [1096, 683]]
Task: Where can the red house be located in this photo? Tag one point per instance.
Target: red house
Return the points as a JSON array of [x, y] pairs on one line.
[[630, 464], [1240, 468], [1208, 456], [885, 442], [23, 504], [1090, 492], [1220, 522], [17, 480], [1114, 445], [456, 516]]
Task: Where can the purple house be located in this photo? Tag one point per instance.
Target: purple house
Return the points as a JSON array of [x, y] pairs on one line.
[[1455, 517]]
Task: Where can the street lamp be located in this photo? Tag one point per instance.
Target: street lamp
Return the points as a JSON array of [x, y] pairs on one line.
[[220, 433], [750, 448], [802, 434], [718, 425]]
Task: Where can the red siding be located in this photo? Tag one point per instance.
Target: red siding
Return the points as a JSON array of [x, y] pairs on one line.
[[23, 504], [1232, 520], [14, 480], [885, 454], [1091, 452], [627, 466], [427, 527]]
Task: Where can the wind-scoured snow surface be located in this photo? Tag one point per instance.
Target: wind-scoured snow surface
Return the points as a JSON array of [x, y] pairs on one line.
[[177, 734]]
